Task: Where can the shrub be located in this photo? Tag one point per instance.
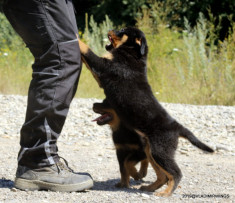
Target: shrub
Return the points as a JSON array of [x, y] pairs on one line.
[[186, 66]]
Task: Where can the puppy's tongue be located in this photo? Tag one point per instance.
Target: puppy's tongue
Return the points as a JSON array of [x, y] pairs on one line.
[[102, 117], [110, 39]]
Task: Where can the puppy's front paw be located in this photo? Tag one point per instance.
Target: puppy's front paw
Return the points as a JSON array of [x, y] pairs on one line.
[[146, 188], [122, 185]]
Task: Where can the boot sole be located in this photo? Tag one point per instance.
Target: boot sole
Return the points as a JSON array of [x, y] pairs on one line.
[[24, 184]]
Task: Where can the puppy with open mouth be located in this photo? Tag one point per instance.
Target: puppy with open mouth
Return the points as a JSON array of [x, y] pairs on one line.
[[130, 147], [122, 75]]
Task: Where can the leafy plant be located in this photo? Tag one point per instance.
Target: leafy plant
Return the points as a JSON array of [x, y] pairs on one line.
[[96, 36], [186, 66]]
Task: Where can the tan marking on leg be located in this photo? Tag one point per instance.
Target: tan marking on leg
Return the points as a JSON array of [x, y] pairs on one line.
[[130, 167], [125, 179], [161, 180], [94, 75], [83, 47], [108, 56], [127, 146], [140, 133], [161, 174], [125, 176], [143, 168], [168, 191]]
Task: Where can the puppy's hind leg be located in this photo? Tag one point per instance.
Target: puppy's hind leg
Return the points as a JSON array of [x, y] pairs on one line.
[[161, 179], [172, 172], [166, 169]]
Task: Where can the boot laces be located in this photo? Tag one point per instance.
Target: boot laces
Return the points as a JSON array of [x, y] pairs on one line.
[[63, 166]]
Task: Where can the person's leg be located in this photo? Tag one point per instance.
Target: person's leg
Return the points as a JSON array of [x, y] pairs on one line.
[[49, 30]]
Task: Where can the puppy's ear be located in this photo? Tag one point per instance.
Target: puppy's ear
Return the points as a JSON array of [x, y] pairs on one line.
[[142, 43]]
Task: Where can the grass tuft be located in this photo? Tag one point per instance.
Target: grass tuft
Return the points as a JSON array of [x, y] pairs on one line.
[[184, 66]]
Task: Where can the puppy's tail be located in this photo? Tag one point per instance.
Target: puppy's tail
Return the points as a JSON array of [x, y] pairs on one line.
[[185, 133]]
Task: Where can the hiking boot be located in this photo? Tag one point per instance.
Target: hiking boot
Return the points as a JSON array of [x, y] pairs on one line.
[[58, 177]]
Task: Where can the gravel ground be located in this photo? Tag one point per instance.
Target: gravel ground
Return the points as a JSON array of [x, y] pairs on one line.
[[89, 148]]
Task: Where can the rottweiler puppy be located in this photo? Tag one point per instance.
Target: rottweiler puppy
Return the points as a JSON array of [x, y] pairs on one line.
[[122, 75], [130, 147]]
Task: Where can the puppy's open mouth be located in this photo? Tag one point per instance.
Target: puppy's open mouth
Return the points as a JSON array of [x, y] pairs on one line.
[[110, 39], [110, 46], [104, 118]]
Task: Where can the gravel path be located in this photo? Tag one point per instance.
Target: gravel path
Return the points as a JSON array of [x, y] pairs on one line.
[[89, 148]]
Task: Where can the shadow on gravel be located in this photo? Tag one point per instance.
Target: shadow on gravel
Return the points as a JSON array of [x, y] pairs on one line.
[[5, 183], [109, 185]]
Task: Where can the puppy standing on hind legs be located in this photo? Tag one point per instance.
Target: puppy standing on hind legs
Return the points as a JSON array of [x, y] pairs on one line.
[[130, 147], [124, 80]]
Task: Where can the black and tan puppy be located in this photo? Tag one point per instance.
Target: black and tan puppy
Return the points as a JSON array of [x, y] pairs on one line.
[[123, 77], [130, 147]]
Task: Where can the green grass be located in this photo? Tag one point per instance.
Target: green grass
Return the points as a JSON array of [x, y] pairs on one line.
[[15, 71], [183, 67], [186, 67], [88, 87]]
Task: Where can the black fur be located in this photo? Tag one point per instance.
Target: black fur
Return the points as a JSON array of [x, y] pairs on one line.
[[129, 146], [128, 92]]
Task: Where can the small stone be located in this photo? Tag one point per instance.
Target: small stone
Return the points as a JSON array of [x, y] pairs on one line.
[[13, 189], [183, 152], [145, 195], [220, 147]]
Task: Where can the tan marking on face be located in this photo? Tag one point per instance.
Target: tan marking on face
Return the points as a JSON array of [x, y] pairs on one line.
[[115, 122], [122, 41], [138, 41], [117, 41]]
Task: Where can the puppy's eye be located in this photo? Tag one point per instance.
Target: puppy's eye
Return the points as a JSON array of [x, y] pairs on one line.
[[122, 30]]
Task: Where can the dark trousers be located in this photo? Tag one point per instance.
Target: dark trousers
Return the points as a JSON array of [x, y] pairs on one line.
[[48, 28]]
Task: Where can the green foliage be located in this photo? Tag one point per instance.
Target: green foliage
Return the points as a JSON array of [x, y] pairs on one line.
[[15, 61], [96, 36], [7, 34], [186, 66], [125, 12], [223, 11], [121, 12]]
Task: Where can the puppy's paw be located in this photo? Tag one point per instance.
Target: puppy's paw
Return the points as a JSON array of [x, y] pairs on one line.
[[122, 185], [142, 174], [163, 194], [137, 176], [146, 188]]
